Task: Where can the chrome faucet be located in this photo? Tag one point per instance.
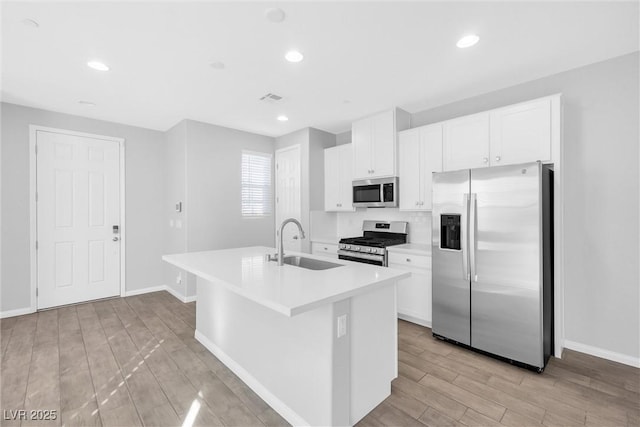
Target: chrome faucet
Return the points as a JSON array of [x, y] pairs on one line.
[[280, 254]]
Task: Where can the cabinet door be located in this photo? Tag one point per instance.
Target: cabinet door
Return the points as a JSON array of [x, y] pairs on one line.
[[345, 178], [431, 156], [361, 134], [521, 133], [383, 145], [331, 179], [409, 169], [466, 142]]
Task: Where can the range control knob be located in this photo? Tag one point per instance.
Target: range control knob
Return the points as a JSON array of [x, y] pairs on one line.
[[356, 248], [366, 249]]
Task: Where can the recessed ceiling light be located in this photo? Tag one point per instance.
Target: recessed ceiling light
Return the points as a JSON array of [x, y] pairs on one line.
[[217, 65], [468, 41], [274, 14], [30, 23], [98, 66], [294, 56], [87, 103], [283, 118]]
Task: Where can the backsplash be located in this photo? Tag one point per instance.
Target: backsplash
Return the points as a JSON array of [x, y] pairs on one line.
[[349, 224]]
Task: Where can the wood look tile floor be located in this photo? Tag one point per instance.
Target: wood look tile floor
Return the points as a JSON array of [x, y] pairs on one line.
[[133, 361]]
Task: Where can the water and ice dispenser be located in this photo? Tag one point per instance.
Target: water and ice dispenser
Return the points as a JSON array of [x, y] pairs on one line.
[[450, 231]]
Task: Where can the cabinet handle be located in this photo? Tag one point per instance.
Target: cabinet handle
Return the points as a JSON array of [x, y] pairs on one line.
[[408, 259], [485, 160], [417, 203], [497, 158], [372, 170], [326, 249]]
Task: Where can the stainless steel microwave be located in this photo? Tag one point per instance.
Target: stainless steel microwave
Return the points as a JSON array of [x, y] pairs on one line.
[[375, 193]]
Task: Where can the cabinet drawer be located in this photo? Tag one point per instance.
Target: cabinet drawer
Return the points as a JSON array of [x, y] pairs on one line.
[[408, 260], [324, 249]]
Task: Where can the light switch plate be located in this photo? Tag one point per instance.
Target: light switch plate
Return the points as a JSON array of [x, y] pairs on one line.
[[342, 326]]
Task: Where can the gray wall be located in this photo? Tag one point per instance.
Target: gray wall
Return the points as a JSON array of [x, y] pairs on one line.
[[312, 144], [175, 239], [600, 158], [144, 198], [204, 162], [300, 137]]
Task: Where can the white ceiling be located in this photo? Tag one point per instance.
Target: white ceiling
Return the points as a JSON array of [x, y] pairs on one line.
[[360, 57]]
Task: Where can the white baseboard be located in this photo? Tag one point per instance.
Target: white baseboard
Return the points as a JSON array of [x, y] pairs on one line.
[[605, 354], [278, 405], [16, 312], [414, 319], [179, 295], [144, 290]]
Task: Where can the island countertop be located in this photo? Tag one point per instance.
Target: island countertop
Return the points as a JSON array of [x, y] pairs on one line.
[[287, 289]]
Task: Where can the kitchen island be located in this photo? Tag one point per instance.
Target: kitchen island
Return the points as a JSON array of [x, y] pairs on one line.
[[319, 346]]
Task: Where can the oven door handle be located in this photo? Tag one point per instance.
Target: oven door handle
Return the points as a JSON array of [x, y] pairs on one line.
[[362, 255]]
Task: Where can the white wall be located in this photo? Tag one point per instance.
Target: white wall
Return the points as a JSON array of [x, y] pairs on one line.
[[144, 163], [600, 160]]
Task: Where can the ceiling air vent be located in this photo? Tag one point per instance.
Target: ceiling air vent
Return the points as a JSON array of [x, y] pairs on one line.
[[271, 97]]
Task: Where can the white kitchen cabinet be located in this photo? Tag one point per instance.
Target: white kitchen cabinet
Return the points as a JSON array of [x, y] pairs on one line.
[[521, 133], [420, 154], [518, 133], [466, 142], [413, 293], [338, 195], [374, 143], [324, 249]]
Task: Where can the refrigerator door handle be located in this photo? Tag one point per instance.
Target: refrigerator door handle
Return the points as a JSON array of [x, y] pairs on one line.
[[464, 237], [473, 208]]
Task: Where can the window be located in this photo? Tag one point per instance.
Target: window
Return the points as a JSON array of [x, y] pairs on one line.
[[256, 184]]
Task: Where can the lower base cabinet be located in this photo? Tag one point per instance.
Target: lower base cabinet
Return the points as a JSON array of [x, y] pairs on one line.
[[324, 249], [413, 293]]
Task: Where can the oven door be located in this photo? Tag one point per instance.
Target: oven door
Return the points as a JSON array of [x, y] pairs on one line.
[[360, 257], [375, 193]]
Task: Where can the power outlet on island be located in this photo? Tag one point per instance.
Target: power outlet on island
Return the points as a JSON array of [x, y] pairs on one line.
[[179, 278], [342, 326]]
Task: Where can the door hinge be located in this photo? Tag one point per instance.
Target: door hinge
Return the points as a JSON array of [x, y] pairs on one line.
[[36, 148], [36, 197], [36, 291], [36, 245]]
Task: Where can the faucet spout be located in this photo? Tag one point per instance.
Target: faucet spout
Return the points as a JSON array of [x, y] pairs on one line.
[[280, 243]]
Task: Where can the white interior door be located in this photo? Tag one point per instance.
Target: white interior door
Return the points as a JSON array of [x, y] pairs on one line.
[[288, 202], [78, 206]]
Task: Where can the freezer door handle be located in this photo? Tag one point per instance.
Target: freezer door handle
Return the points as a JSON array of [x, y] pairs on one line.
[[463, 237], [473, 208]]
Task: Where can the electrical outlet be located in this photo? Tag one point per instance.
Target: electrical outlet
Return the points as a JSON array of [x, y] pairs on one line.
[[342, 326], [179, 278]]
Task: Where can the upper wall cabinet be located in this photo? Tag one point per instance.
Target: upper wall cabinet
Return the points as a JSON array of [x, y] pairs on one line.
[[521, 133], [338, 178], [517, 133], [466, 142], [374, 143], [420, 154]]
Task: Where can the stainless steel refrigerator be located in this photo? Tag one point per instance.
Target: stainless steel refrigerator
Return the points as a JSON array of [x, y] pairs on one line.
[[492, 260]]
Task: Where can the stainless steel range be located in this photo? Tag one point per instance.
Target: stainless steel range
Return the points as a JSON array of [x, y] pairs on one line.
[[371, 247]]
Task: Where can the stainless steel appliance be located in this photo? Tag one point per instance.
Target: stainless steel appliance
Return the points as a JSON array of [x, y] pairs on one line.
[[492, 260], [376, 193], [371, 247]]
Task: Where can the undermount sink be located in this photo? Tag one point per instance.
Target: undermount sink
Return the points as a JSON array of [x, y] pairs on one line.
[[309, 263]]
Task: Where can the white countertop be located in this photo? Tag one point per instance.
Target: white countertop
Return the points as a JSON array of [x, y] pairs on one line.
[[286, 289], [411, 248]]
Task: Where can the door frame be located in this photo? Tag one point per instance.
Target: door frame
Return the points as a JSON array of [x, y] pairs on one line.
[[275, 211], [33, 218]]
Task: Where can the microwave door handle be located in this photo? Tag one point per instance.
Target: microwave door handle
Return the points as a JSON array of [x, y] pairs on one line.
[[464, 227]]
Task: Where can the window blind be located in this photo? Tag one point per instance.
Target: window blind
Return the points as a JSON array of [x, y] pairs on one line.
[[256, 184]]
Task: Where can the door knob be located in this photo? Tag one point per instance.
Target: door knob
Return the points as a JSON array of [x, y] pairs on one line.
[[115, 239]]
